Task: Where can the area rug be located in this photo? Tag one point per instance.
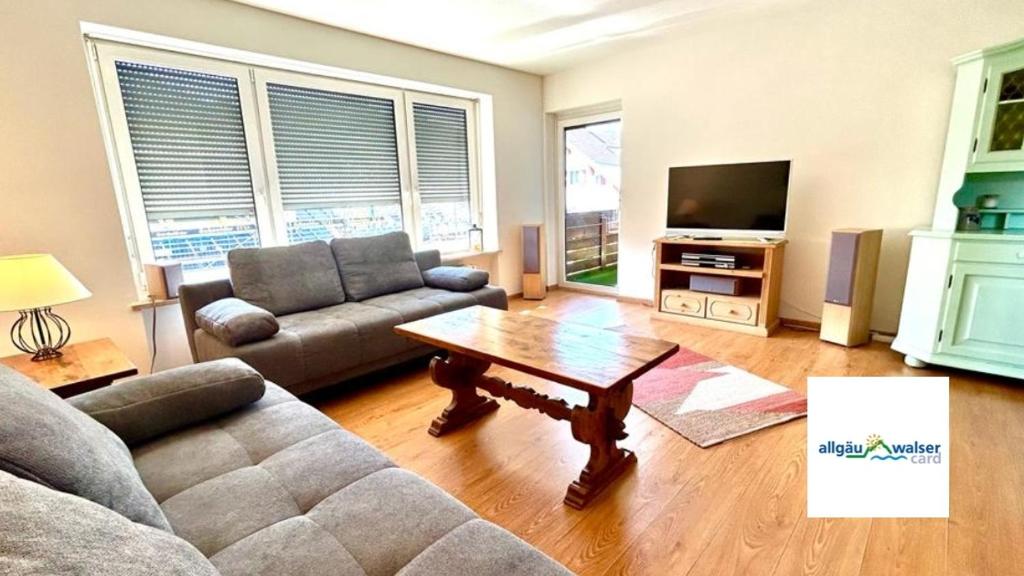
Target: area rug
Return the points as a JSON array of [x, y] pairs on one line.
[[709, 402]]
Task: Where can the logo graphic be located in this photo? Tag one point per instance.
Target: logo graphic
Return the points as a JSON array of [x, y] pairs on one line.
[[875, 447]]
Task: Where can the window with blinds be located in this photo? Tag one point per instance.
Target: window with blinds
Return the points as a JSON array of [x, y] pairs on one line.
[[217, 155], [443, 175], [337, 162], [188, 141]]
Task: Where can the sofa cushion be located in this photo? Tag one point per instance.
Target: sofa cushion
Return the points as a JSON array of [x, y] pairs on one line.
[[479, 548], [46, 440], [280, 488], [407, 514], [286, 279], [49, 532], [145, 407], [457, 278], [376, 265], [341, 337], [235, 321]]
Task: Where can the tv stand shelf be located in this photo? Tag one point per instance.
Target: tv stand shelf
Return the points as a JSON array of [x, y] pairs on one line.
[[743, 273], [755, 310]]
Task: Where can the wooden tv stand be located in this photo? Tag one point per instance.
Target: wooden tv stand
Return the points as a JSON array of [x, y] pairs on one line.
[[755, 310]]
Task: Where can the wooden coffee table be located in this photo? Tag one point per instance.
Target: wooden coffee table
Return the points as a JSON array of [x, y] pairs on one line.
[[601, 363]]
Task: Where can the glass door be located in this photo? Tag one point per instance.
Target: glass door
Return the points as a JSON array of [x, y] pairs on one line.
[[590, 186], [1001, 134]]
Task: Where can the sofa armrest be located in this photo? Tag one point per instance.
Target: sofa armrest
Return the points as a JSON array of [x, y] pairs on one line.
[[192, 297], [427, 259], [145, 407]]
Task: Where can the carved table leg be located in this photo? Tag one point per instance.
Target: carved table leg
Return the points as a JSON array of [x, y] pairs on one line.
[[460, 374], [600, 425]]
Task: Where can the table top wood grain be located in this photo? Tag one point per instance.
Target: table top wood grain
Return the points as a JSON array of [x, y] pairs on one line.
[[583, 357], [84, 366]]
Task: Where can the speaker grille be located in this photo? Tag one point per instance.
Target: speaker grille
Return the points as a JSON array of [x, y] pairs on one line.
[[841, 265], [531, 249]]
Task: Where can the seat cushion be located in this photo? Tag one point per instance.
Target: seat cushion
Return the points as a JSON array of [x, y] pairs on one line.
[[376, 265], [340, 337], [286, 279], [49, 532], [479, 548], [279, 488], [46, 440]]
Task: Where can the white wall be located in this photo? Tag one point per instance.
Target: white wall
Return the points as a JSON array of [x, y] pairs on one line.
[[857, 94], [55, 188]]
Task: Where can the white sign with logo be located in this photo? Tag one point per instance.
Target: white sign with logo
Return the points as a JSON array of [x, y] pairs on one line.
[[878, 447]]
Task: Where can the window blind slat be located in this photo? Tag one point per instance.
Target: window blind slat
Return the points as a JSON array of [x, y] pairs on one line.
[[442, 153], [188, 141], [333, 149]]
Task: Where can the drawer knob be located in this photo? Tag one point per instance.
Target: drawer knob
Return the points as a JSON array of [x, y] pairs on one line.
[[1020, 255]]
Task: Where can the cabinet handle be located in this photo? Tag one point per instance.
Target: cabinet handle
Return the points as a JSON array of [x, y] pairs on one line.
[[1020, 255]]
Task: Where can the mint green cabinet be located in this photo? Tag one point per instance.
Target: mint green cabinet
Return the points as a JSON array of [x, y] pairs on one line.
[[984, 317]]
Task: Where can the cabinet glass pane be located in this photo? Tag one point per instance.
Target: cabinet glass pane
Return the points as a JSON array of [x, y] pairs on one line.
[[1013, 86], [1008, 130]]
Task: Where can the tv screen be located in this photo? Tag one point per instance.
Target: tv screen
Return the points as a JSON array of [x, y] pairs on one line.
[[741, 197]]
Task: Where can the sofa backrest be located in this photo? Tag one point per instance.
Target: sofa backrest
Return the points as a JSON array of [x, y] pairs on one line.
[[286, 279], [46, 440], [376, 265]]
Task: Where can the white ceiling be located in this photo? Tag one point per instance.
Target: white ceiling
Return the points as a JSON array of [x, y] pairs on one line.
[[539, 36]]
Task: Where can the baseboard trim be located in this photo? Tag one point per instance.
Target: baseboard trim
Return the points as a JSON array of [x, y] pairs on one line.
[[811, 325], [618, 297]]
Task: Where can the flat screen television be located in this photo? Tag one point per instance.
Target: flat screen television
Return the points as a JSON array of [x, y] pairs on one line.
[[728, 199]]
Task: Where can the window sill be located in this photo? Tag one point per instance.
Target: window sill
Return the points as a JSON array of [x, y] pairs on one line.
[[146, 304], [469, 254]]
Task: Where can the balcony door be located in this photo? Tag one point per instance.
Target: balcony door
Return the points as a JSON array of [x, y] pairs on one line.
[[589, 185]]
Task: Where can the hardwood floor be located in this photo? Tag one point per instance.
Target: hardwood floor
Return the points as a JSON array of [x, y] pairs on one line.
[[735, 508]]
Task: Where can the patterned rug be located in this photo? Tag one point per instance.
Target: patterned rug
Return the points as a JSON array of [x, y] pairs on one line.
[[709, 402]]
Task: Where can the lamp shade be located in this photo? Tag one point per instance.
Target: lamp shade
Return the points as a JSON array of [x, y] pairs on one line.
[[36, 281]]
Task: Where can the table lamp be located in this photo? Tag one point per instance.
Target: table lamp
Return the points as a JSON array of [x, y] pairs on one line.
[[30, 284]]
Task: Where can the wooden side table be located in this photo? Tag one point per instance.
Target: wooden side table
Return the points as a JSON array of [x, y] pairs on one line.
[[84, 366]]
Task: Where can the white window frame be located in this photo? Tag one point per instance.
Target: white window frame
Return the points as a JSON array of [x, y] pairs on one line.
[[261, 77], [105, 45], [472, 138], [130, 197]]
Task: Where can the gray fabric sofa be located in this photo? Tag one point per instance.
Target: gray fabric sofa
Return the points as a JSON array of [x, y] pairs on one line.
[[207, 470], [336, 306]]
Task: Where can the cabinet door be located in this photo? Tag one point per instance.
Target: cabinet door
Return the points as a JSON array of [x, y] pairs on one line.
[[1001, 126], [985, 313]]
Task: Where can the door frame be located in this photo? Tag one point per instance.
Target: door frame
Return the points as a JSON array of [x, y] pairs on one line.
[[560, 128]]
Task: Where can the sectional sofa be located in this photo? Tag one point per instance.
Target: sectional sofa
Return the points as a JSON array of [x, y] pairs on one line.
[[313, 314], [207, 470]]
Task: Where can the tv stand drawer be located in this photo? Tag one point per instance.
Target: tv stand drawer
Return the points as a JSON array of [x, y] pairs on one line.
[[683, 302], [737, 310]]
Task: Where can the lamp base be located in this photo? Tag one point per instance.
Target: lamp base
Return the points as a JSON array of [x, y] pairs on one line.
[[46, 354], [48, 332]]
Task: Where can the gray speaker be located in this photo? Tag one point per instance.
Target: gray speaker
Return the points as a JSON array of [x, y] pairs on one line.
[[842, 263], [850, 286], [533, 262]]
